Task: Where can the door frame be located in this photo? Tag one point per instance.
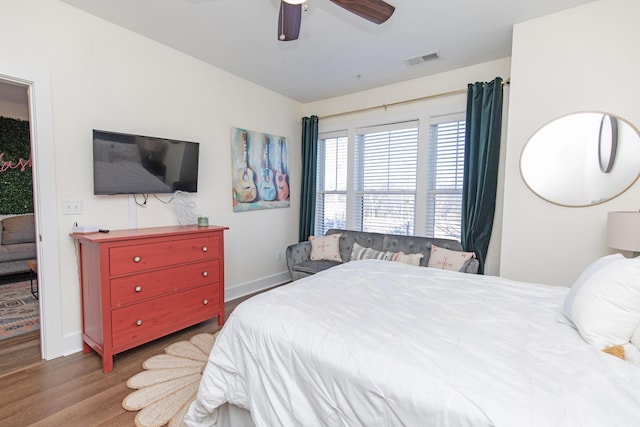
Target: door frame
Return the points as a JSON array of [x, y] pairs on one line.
[[52, 342]]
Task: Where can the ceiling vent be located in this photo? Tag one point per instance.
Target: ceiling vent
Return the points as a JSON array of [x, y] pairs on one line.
[[422, 58]]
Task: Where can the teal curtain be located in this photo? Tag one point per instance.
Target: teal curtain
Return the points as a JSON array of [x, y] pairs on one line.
[[482, 153], [308, 185]]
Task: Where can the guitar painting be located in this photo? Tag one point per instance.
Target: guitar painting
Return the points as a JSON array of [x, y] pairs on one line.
[[259, 167], [282, 180], [267, 188], [245, 187]]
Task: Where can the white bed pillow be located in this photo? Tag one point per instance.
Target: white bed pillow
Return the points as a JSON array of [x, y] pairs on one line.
[[325, 247], [447, 259], [606, 307], [584, 276], [362, 252]]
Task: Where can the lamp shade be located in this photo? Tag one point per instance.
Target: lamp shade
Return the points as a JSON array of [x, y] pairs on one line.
[[623, 230]]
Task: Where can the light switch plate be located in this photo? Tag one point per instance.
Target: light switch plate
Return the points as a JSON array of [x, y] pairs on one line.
[[72, 207]]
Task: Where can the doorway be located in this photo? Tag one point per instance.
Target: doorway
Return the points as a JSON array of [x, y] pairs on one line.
[[52, 341], [19, 306]]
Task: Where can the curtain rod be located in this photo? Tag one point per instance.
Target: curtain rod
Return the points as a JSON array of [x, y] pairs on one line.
[[406, 101]]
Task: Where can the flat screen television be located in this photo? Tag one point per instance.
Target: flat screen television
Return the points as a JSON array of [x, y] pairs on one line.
[[135, 164]]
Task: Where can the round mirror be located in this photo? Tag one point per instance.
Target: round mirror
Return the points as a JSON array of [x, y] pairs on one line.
[[582, 159]]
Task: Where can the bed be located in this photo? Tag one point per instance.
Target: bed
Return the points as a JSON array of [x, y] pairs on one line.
[[379, 343]]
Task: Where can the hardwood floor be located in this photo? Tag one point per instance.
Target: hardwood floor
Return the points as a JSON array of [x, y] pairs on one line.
[[72, 391], [19, 352]]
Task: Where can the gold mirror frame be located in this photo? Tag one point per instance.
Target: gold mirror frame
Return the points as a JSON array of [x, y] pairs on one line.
[[581, 159]]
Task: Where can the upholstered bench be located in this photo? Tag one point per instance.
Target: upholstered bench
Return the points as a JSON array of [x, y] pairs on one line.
[[338, 246]]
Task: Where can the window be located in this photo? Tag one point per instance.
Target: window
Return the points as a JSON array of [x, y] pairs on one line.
[[386, 159], [400, 178], [331, 187], [444, 182]]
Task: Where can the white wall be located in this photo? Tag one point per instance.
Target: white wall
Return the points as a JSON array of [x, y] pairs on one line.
[[580, 59], [452, 81], [105, 77], [13, 101]]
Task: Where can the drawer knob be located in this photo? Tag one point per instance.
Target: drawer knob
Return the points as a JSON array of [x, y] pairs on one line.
[[205, 301], [205, 274], [138, 288], [205, 249], [138, 322], [136, 259]]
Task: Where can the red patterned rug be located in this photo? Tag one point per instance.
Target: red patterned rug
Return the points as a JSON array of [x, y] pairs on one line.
[[19, 310]]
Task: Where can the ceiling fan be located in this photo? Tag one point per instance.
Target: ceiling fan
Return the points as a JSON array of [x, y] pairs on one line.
[[376, 11]]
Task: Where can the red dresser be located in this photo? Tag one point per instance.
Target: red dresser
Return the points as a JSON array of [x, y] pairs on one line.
[[139, 285]]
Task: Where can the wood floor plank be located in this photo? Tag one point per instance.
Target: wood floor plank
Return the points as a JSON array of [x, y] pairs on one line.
[[95, 409], [19, 352]]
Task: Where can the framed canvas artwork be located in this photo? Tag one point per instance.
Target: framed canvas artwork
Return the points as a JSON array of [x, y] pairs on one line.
[[260, 166]]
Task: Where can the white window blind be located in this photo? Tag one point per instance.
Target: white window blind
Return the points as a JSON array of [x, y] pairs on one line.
[[385, 178], [331, 183], [444, 183], [400, 178]]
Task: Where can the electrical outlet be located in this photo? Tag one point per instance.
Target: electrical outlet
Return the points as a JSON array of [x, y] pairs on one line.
[[72, 207], [279, 255]]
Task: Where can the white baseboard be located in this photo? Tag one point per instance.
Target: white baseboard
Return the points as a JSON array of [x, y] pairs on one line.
[[262, 284], [71, 343]]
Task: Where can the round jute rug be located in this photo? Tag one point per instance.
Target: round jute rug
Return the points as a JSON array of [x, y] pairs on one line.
[[169, 383]]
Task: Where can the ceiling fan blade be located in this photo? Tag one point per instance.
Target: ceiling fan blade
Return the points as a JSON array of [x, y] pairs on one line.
[[289, 21], [376, 11]]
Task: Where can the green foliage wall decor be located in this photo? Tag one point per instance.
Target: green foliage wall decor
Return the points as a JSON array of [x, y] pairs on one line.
[[16, 189]]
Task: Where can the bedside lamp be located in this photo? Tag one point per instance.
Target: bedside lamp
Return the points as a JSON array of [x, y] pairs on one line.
[[623, 231]]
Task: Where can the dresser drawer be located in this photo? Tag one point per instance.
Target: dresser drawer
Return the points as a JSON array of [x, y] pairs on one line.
[[132, 259], [152, 319], [132, 289]]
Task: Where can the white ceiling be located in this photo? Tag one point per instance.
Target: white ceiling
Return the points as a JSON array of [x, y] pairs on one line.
[[337, 52]]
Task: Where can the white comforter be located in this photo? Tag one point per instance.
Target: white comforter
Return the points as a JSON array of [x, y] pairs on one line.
[[378, 343]]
